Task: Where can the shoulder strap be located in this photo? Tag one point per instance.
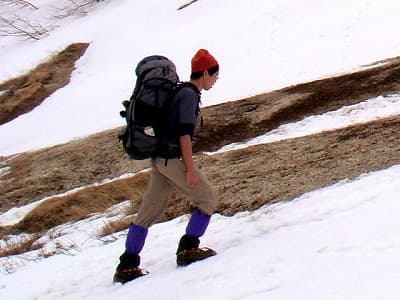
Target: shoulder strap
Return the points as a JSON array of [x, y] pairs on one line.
[[181, 85]]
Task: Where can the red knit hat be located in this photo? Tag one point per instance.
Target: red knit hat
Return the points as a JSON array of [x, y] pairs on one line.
[[202, 61]]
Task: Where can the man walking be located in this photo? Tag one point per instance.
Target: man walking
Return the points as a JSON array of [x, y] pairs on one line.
[[178, 172]]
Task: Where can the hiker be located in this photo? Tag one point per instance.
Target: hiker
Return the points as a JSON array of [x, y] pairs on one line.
[[178, 172]]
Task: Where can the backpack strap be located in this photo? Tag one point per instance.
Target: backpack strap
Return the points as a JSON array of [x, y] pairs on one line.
[[188, 84]]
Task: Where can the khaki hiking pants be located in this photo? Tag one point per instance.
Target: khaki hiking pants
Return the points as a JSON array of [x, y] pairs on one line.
[[162, 180]]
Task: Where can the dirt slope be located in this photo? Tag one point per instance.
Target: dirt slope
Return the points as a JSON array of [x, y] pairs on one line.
[[24, 93], [247, 178]]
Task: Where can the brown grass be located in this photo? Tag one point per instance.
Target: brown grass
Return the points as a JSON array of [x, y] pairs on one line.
[[23, 245], [28, 91], [78, 205], [246, 179], [234, 121], [83, 162], [115, 226]]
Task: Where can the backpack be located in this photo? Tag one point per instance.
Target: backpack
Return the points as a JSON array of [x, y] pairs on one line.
[[146, 112]]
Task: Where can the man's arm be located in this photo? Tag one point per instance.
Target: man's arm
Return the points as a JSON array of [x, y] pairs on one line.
[[192, 179]]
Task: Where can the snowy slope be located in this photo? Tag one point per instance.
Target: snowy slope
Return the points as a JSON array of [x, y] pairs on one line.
[[340, 242]]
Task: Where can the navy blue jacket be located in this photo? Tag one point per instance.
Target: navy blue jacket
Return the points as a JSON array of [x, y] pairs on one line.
[[183, 112]]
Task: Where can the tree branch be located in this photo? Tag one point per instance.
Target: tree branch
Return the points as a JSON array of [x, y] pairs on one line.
[[20, 27], [186, 4], [27, 3]]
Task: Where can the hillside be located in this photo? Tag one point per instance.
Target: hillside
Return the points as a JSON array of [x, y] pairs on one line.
[[301, 138], [246, 179]]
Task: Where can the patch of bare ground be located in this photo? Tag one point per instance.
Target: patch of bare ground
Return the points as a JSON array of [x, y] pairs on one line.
[[284, 170], [24, 93], [234, 121], [246, 179], [78, 205]]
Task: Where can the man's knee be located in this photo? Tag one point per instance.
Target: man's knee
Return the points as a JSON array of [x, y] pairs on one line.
[[209, 201]]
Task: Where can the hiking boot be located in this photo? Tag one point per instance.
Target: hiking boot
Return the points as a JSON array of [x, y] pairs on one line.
[[128, 268], [189, 251], [187, 242], [186, 257], [125, 275]]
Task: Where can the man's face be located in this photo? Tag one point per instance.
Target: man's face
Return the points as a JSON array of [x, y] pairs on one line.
[[210, 80]]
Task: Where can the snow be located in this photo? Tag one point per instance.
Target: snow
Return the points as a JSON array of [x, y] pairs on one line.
[[339, 242]]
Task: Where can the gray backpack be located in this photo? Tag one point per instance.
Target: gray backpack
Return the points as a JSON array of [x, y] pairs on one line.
[[146, 112]]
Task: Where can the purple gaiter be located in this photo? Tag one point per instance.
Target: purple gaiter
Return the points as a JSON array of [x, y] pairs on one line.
[[135, 239], [198, 223]]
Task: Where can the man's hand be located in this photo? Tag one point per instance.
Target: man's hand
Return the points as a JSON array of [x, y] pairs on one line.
[[192, 179]]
